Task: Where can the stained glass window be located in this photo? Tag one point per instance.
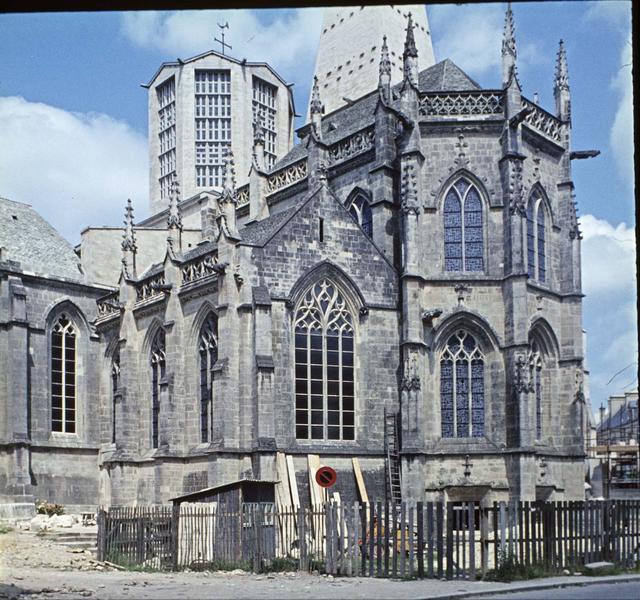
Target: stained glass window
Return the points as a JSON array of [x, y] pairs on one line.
[[536, 251], [115, 388], [462, 387], [324, 363], [158, 366], [208, 350], [63, 376], [463, 232], [535, 374], [361, 212]]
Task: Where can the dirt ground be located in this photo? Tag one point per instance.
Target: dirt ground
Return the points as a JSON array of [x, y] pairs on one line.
[[35, 568]]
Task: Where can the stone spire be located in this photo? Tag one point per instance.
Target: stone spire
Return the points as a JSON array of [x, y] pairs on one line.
[[316, 108], [129, 246], [229, 196], [258, 143], [561, 85], [384, 80], [509, 53], [174, 218], [410, 55]]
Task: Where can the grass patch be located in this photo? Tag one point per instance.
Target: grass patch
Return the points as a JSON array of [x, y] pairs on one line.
[[281, 565], [509, 570], [5, 528]]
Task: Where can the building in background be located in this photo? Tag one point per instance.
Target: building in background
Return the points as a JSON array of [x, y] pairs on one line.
[[200, 106], [614, 457]]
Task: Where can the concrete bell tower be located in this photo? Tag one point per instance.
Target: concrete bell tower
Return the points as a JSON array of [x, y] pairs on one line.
[[349, 50]]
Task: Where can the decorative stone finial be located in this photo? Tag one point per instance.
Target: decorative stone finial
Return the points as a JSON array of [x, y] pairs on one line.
[[410, 42], [129, 236], [228, 178], [316, 105], [174, 219], [509, 53], [561, 86], [509, 34], [385, 62], [562, 71]]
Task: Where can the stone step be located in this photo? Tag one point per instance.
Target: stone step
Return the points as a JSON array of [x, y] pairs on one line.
[[60, 536]]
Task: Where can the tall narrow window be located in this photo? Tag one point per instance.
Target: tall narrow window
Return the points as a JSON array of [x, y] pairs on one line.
[[63, 376], [264, 109], [361, 212], [208, 355], [463, 232], [324, 366], [462, 387], [212, 124], [536, 263], [158, 365], [115, 390], [535, 376], [166, 95]]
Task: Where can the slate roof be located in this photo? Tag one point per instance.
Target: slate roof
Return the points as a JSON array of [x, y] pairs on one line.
[[443, 76], [621, 418], [258, 232], [35, 244]]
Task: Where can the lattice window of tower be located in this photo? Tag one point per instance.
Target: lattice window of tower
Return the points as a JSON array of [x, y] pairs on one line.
[[264, 109], [212, 124], [167, 134]]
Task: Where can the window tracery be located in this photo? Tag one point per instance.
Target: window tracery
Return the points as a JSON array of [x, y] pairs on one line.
[[158, 371], [324, 362], [462, 387], [536, 234], [208, 351], [361, 212], [463, 231], [63, 375]]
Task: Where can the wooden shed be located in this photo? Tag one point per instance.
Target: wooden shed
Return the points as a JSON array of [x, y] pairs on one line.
[[241, 520]]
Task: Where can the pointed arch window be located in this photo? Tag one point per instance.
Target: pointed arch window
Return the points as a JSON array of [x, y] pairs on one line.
[[63, 375], [463, 233], [324, 359], [462, 387], [361, 211], [115, 391], [208, 352], [536, 239], [535, 379], [158, 372]]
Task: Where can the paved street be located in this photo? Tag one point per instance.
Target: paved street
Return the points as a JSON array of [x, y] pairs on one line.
[[601, 591]]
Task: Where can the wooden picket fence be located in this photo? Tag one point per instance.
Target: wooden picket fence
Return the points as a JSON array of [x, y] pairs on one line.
[[419, 540]]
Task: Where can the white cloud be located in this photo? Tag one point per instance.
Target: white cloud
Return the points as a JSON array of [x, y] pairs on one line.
[[612, 12], [621, 137], [75, 169], [471, 36], [608, 257], [286, 39]]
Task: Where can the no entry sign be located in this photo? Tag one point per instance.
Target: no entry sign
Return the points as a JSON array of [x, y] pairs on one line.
[[326, 477]]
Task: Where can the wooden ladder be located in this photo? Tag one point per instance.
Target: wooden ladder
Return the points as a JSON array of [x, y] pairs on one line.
[[392, 459]]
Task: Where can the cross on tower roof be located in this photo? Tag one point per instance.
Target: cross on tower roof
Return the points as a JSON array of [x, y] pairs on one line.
[[222, 42]]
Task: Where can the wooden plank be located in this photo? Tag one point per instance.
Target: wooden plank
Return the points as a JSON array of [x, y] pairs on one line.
[[439, 531], [420, 540], [394, 538], [403, 538], [472, 540], [283, 496], [293, 484], [449, 549], [430, 539], [372, 523], [386, 540], [362, 490], [378, 539], [411, 542]]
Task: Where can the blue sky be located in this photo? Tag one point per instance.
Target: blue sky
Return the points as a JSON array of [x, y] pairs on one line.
[[73, 118]]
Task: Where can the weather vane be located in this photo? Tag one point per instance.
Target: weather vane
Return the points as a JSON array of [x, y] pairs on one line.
[[222, 42]]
